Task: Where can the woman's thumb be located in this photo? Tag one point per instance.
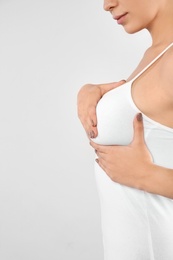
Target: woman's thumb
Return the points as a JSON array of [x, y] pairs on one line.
[[138, 129], [119, 83]]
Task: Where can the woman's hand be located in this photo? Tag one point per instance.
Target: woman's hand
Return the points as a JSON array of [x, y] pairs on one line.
[[128, 165], [88, 97]]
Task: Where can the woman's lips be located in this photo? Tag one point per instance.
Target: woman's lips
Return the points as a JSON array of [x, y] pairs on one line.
[[120, 18]]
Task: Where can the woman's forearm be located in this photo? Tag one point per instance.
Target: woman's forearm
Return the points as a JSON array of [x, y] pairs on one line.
[[159, 180]]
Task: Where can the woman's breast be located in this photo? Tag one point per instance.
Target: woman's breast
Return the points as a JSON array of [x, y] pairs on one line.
[[115, 117]]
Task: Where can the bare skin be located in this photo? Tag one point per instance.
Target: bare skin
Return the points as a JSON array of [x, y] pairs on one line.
[[152, 94]]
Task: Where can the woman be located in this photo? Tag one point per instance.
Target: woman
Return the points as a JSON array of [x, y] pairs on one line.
[[130, 125]]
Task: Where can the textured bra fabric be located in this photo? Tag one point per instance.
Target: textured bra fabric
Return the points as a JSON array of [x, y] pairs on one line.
[[136, 225]]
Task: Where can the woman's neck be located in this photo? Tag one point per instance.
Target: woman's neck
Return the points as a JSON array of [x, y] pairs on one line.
[[161, 28]]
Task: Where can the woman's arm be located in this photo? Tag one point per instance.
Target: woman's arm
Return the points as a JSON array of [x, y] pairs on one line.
[[132, 165], [87, 100]]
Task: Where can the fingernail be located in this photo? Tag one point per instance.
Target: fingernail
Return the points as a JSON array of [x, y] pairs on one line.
[[91, 134], [139, 117], [97, 160], [92, 123]]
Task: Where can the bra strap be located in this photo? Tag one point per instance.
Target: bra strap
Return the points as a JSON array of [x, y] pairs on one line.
[[151, 63]]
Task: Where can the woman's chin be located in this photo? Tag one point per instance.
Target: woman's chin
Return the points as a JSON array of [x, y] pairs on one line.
[[131, 29]]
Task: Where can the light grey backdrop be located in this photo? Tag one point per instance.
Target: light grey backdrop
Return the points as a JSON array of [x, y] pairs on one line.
[[49, 208]]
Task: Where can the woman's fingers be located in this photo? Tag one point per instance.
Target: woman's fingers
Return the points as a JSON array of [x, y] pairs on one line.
[[138, 137], [101, 164], [88, 97], [91, 126], [92, 115], [95, 146], [91, 134], [99, 148]]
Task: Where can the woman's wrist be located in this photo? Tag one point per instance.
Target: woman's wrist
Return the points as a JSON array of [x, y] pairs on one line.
[[104, 88]]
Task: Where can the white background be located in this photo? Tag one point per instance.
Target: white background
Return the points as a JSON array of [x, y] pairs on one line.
[[49, 208]]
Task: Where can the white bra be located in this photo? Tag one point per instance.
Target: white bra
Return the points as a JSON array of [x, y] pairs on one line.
[[115, 114], [117, 106]]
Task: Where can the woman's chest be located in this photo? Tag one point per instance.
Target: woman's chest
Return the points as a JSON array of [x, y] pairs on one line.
[[152, 99], [115, 115]]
